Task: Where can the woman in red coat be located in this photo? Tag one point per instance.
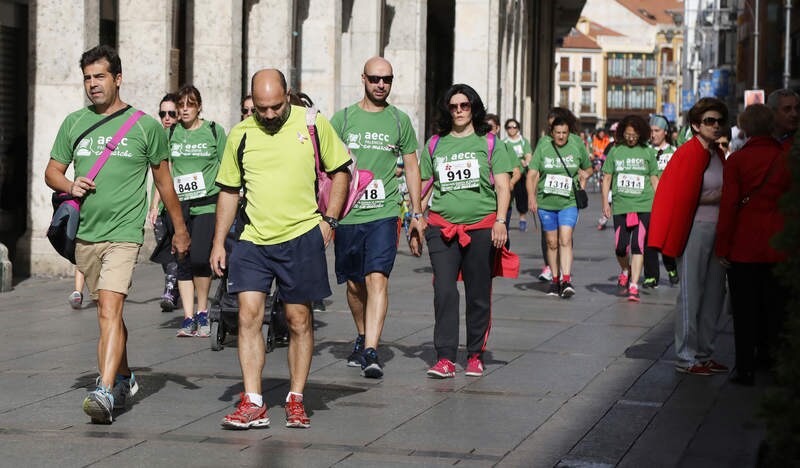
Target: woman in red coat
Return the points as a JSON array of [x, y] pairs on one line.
[[755, 178]]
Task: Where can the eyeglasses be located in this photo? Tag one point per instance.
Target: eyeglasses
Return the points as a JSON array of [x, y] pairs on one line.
[[375, 79], [464, 106], [723, 144], [173, 114], [710, 121], [509, 127], [248, 110]]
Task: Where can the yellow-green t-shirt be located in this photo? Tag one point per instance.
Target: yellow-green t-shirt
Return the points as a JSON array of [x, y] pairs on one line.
[[279, 175]]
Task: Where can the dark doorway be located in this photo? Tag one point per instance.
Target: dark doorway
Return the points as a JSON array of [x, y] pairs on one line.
[[13, 127], [439, 60]]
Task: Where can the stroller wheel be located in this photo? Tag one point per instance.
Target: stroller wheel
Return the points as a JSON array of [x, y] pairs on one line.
[[217, 335]]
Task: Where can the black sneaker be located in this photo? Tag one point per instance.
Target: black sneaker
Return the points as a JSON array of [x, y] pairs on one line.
[[371, 367], [673, 277], [356, 358], [553, 290], [567, 290]]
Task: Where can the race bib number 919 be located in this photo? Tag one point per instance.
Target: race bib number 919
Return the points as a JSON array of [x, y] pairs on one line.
[[459, 175]]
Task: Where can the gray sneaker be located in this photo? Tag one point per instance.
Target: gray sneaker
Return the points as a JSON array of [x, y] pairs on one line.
[[124, 388], [98, 405], [203, 327], [188, 327]]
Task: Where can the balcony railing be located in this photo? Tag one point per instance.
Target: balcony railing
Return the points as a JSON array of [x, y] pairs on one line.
[[669, 69], [588, 108], [588, 77], [566, 76]]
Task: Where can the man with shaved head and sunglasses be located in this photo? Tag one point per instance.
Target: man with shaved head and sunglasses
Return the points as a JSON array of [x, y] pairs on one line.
[[378, 134]]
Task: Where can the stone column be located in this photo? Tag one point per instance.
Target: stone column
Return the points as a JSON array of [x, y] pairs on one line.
[[145, 39], [471, 55], [319, 63], [58, 39], [406, 49], [217, 58], [492, 98], [360, 41], [269, 37]]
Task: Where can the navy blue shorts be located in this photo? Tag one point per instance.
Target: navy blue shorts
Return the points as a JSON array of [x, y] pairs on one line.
[[365, 248], [298, 266]]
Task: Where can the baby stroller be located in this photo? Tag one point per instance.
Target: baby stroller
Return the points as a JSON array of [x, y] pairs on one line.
[[223, 313]]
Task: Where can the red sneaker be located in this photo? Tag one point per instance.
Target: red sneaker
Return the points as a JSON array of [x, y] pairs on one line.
[[296, 413], [474, 366], [443, 369], [694, 369], [716, 367], [247, 415]]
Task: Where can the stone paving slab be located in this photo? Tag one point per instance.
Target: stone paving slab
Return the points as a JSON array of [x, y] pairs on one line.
[[584, 382]]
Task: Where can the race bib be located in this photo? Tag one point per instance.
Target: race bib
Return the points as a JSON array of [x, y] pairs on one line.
[[630, 183], [190, 186], [459, 175], [555, 184], [374, 196]]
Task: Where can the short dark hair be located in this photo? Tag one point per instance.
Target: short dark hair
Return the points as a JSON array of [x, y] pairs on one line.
[[169, 97], [640, 126], [493, 117], [558, 122], [249, 96], [299, 98], [478, 110], [191, 94], [102, 52], [704, 105], [567, 116], [757, 120]]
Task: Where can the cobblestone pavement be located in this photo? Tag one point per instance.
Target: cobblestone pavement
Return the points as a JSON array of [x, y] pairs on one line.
[[585, 382]]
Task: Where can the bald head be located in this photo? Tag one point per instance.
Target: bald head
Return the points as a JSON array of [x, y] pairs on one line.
[[377, 66], [270, 98]]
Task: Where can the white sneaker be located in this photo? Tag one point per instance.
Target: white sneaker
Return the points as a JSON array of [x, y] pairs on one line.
[[76, 300]]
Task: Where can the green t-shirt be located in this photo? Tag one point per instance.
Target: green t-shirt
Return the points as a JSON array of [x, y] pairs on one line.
[[279, 175], [554, 192], [631, 167], [663, 156], [462, 191], [376, 139], [684, 135], [195, 156], [115, 211], [520, 148]]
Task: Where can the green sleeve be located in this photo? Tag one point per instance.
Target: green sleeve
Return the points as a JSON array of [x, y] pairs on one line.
[[157, 145], [652, 161], [586, 163], [332, 151], [337, 121], [408, 139], [62, 147], [526, 146], [608, 166], [503, 160], [425, 163], [221, 140]]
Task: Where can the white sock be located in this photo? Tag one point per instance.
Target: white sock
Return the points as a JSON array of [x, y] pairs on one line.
[[298, 395], [255, 399]]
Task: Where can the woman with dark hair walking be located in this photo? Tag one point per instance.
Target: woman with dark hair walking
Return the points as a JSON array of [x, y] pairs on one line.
[[470, 170], [632, 170]]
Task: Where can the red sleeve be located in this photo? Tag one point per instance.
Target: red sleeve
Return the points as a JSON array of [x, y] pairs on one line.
[[728, 206]]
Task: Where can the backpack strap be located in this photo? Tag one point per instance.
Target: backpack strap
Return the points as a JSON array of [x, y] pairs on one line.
[[214, 130], [344, 122], [431, 148], [490, 141], [399, 130], [311, 123]]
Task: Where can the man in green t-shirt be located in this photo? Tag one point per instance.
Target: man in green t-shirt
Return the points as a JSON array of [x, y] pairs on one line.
[[377, 133], [284, 238], [113, 210]]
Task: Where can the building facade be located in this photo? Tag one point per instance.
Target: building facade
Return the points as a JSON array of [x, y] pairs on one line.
[[503, 48]]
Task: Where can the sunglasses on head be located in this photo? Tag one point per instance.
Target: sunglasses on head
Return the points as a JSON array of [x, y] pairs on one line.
[[173, 114], [248, 110], [710, 121], [464, 106], [375, 79]]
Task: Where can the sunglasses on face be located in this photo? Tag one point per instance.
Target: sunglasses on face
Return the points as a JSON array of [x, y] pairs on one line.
[[375, 79], [509, 127], [464, 106], [248, 110], [710, 121], [723, 144], [173, 114]]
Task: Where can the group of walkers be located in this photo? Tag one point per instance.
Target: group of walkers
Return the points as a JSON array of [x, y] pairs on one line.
[[263, 176]]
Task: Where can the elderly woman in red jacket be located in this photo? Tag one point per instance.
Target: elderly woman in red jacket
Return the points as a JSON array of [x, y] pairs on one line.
[[683, 224], [755, 178]]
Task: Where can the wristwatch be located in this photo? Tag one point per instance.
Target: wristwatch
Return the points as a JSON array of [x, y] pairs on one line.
[[332, 222]]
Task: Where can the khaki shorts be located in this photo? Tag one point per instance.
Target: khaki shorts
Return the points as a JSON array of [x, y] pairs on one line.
[[106, 265]]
